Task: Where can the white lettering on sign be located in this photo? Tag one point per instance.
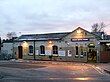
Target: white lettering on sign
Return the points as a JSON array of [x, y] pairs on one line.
[[79, 39]]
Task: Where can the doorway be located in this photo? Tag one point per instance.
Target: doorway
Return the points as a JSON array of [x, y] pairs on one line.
[[20, 52], [92, 53]]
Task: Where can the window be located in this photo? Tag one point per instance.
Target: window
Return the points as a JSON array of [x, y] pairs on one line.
[[30, 49], [77, 50], [42, 49], [55, 49], [77, 53], [81, 49]]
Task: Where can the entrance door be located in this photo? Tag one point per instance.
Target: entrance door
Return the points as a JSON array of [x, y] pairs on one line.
[[92, 53], [20, 52]]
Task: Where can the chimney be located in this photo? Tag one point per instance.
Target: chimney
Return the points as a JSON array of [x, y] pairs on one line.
[[102, 36]]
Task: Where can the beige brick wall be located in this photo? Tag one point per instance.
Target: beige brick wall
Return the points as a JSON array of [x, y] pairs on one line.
[[64, 45]]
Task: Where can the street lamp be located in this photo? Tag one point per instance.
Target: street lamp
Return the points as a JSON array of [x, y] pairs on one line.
[[50, 42], [25, 44]]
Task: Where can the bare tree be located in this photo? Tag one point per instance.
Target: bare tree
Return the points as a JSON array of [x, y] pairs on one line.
[[98, 27], [10, 35]]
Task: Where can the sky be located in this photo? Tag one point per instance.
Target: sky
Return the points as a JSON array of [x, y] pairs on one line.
[[47, 16]]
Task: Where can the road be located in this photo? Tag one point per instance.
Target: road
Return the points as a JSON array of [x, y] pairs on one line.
[[51, 72]]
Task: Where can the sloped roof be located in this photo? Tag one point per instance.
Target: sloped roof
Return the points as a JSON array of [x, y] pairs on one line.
[[27, 37], [52, 36], [108, 37], [49, 36], [98, 33]]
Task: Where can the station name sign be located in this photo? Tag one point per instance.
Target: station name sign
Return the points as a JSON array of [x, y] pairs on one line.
[[79, 39]]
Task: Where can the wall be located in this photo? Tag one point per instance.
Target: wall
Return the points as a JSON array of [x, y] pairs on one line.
[[7, 48], [66, 47]]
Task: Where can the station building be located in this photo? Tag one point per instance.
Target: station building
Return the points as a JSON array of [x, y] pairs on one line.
[[78, 45]]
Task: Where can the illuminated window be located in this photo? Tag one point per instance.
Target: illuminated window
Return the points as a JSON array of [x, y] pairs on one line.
[[30, 49], [42, 49], [55, 49]]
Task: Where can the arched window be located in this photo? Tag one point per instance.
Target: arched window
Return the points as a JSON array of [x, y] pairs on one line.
[[77, 53], [42, 49], [55, 49], [30, 49]]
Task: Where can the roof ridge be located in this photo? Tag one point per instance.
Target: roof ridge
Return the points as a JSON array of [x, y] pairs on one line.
[[47, 33]]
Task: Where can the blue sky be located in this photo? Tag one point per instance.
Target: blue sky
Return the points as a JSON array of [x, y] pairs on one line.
[[44, 16]]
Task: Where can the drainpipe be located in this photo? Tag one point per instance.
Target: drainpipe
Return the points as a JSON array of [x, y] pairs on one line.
[[34, 51], [0, 45], [98, 52], [13, 55]]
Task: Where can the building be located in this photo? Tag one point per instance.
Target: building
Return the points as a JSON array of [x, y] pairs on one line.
[[78, 45]]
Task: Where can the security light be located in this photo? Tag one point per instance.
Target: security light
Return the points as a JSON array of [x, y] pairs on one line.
[[78, 31]]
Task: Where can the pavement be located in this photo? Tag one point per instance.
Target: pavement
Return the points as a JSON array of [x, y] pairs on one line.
[[101, 66], [104, 66], [53, 71]]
